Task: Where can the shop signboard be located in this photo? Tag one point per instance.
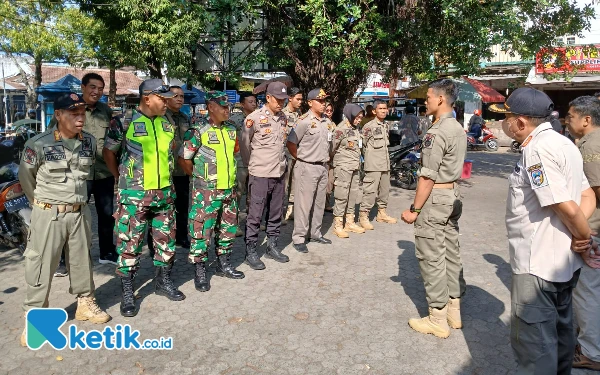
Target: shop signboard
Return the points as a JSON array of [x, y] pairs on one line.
[[583, 59]]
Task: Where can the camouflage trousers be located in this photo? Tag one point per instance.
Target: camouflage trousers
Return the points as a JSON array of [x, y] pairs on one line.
[[213, 211], [130, 227]]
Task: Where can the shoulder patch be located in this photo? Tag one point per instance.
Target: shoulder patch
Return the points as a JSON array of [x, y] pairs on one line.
[[428, 140], [249, 123], [29, 156], [537, 176]]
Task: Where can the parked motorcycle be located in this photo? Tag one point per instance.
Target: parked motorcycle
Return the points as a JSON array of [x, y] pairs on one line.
[[15, 210], [487, 140], [404, 164]]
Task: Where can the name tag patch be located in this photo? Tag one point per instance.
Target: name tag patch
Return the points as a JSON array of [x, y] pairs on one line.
[[139, 129], [537, 176], [85, 154], [54, 153], [213, 138]]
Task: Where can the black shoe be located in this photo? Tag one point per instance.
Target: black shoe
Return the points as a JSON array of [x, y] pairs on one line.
[[61, 270], [301, 247], [200, 280], [163, 285], [273, 251], [224, 268], [128, 306], [110, 258], [321, 240], [185, 243], [252, 259]]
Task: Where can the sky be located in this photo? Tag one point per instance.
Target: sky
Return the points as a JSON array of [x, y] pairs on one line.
[[592, 36]]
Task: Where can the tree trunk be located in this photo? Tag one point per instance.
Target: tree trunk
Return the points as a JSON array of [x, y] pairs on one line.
[[154, 66], [112, 87], [38, 72]]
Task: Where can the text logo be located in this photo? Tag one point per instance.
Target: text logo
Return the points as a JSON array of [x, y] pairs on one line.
[[44, 325]]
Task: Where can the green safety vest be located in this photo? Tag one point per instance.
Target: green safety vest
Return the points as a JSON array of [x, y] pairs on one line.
[[154, 137], [216, 154]]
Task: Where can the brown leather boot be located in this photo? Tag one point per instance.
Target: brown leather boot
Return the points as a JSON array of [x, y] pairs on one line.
[[383, 217], [363, 220], [338, 227], [435, 323], [351, 226], [454, 320]]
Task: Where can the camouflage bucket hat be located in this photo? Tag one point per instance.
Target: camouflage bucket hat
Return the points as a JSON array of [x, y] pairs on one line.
[[218, 97]]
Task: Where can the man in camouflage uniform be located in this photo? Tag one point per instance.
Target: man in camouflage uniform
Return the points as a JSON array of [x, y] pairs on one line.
[[376, 183], [248, 101], [145, 191], [208, 155], [346, 146], [53, 173], [291, 112]]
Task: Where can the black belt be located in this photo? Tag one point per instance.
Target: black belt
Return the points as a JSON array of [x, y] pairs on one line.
[[323, 163]]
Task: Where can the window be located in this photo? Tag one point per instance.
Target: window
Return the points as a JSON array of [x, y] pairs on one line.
[[557, 42], [570, 40]]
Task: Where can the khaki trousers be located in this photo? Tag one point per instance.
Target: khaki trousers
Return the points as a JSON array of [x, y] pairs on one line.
[[49, 233], [289, 181], [586, 305], [346, 191], [437, 247], [311, 185], [376, 189]]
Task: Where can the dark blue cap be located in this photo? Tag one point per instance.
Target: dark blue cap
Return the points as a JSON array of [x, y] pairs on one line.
[[68, 101], [526, 101]]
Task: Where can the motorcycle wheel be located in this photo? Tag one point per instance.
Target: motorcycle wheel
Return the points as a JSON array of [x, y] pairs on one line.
[[491, 145], [404, 174]]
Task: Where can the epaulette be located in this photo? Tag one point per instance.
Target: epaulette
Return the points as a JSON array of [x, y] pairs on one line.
[[303, 116]]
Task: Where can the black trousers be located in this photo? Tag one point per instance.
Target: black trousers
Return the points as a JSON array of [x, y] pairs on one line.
[[182, 203], [264, 191], [541, 331], [104, 195]]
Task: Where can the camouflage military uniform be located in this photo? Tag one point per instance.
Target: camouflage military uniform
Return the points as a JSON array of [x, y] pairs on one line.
[[214, 205], [141, 197]]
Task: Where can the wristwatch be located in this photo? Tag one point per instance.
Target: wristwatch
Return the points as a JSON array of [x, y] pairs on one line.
[[413, 209]]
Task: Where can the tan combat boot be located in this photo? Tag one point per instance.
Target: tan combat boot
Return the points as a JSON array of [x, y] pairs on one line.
[[436, 323], [289, 213], [87, 309], [351, 226], [383, 217], [338, 227], [454, 320], [363, 220]]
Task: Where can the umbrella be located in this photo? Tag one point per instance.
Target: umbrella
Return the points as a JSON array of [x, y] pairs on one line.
[[263, 86], [469, 90]]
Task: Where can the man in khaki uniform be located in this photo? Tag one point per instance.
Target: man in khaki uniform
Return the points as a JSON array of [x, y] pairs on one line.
[[331, 126], [309, 143], [101, 183], [346, 147], [263, 139], [436, 210], [583, 122], [376, 182], [292, 112], [53, 174], [248, 102]]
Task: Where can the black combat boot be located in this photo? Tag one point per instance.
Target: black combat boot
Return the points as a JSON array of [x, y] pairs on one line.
[[273, 252], [224, 268], [252, 258], [163, 285], [128, 306], [200, 280]]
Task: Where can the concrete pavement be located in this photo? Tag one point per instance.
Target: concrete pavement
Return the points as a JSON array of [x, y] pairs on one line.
[[340, 309]]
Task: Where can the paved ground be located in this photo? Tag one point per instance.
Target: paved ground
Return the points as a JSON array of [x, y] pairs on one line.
[[341, 309]]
